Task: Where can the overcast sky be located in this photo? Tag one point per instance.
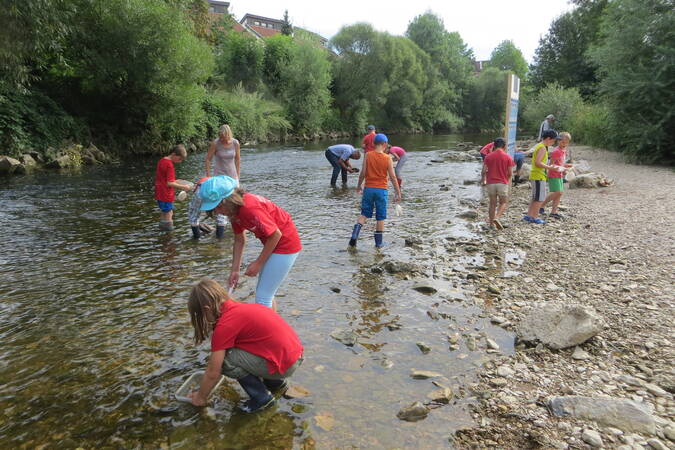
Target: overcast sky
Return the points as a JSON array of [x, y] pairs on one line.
[[483, 24]]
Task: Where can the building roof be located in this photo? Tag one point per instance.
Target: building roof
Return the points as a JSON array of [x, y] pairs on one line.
[[219, 2], [263, 31], [266, 19]]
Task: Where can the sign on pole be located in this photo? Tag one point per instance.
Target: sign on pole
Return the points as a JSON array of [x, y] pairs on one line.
[[511, 122]]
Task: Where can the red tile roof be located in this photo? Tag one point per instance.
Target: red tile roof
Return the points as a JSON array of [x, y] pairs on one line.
[[264, 32]]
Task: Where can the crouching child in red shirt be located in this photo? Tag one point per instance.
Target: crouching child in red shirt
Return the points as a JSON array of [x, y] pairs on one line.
[[249, 342]]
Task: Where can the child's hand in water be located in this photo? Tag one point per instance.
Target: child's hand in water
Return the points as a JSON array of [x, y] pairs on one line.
[[233, 281], [196, 399], [253, 269]]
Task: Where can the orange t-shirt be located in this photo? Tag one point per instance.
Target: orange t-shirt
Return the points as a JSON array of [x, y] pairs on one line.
[[377, 166]]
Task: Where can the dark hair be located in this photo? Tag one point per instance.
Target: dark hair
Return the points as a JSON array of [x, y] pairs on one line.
[[549, 134], [499, 143]]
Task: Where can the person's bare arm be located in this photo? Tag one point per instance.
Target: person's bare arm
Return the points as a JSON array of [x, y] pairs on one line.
[[539, 161], [237, 252], [362, 175], [177, 185], [209, 156], [237, 159], [483, 174], [209, 380], [394, 182], [270, 244]]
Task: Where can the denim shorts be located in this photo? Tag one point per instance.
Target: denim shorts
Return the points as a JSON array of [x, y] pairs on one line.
[[165, 206], [374, 198]]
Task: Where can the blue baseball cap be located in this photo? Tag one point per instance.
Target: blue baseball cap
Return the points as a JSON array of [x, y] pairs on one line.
[[380, 138], [215, 189], [371, 127]]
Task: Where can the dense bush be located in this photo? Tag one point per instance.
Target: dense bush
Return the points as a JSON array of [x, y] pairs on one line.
[[590, 125], [563, 103]]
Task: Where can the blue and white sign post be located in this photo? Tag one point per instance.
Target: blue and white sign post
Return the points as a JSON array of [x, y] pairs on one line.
[[511, 122]]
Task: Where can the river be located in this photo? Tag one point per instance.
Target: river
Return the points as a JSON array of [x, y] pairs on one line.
[[96, 337]]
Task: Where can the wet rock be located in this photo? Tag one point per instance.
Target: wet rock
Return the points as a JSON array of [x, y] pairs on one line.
[[469, 214], [399, 267], [505, 371], [470, 182], [494, 290], [27, 161], [471, 343], [325, 421], [424, 374], [412, 241], [424, 348], [499, 382], [580, 354], [560, 326], [656, 444], [346, 336], [60, 162], [335, 289], [8, 165], [425, 287], [296, 391], [491, 344], [656, 390], [619, 413], [433, 315], [453, 156], [413, 412], [442, 395], [592, 438]]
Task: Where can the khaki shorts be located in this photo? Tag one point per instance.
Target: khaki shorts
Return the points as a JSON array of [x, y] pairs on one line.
[[497, 190]]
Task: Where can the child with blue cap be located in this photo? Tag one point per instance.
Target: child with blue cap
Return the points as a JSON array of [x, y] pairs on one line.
[[378, 170], [272, 225]]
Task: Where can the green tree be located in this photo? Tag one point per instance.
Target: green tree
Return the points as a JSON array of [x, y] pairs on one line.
[[286, 27], [449, 55], [562, 55], [485, 100], [563, 103], [239, 59], [636, 61], [278, 55], [506, 56]]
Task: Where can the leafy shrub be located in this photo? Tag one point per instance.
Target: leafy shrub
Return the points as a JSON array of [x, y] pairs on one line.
[[591, 125], [563, 103]]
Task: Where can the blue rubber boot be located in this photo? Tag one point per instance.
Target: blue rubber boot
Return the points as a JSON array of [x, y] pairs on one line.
[[220, 231], [275, 386], [260, 397], [355, 235], [379, 236]]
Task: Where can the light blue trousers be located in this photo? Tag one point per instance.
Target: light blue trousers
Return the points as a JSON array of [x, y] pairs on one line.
[[272, 275]]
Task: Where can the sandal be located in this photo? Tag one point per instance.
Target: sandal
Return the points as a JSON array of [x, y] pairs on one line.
[[556, 216], [498, 224]]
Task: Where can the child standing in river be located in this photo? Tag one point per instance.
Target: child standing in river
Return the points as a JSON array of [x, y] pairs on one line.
[[377, 170], [165, 182]]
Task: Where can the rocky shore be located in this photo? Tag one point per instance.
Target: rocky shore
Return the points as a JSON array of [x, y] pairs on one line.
[[590, 301]]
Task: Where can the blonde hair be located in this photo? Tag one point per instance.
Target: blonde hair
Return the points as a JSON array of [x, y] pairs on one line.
[[179, 150], [231, 203], [564, 135], [205, 306], [226, 132]]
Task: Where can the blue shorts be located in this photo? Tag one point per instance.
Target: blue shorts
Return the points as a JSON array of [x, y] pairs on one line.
[[165, 206], [374, 198], [519, 159]]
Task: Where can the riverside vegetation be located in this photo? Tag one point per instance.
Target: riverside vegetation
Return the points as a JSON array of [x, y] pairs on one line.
[[137, 76]]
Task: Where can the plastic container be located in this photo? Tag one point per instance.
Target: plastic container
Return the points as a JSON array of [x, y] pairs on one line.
[[192, 384], [399, 210]]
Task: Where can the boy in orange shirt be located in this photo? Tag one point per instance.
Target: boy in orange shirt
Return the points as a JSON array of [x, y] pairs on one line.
[[377, 170]]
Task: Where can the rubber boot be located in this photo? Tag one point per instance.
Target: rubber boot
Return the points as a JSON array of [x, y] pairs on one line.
[[260, 397], [355, 234], [165, 226], [196, 233], [275, 386], [220, 231], [379, 235], [516, 179]]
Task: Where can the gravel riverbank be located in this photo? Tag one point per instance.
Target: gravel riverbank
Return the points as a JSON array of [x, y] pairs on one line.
[[613, 254]]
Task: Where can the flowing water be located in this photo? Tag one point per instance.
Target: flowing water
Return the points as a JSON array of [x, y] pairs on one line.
[[96, 337]]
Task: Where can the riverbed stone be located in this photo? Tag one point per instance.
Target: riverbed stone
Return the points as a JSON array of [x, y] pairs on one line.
[[468, 214], [413, 412], [580, 354], [559, 326], [425, 287], [442, 395], [615, 412], [669, 432], [588, 180], [424, 374], [345, 336], [8, 165], [424, 348], [592, 438], [399, 267], [656, 444], [60, 162]]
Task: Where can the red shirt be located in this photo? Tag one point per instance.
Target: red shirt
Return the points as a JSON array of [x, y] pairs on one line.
[[368, 144], [398, 151], [487, 148], [498, 166], [556, 158], [165, 173], [259, 330], [262, 217]]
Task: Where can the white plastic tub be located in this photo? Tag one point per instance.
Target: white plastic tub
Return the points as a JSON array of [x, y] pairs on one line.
[[192, 384]]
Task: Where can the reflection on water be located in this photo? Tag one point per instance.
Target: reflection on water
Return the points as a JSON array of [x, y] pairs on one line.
[[96, 336]]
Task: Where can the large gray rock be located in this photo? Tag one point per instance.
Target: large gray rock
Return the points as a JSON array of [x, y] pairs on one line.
[[614, 412], [589, 180], [413, 413], [27, 160], [8, 165], [60, 162], [592, 438], [345, 336], [454, 156], [560, 326]]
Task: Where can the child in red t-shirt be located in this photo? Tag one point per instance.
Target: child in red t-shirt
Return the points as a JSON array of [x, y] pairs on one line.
[[165, 182], [496, 176], [268, 222], [555, 176], [249, 342]]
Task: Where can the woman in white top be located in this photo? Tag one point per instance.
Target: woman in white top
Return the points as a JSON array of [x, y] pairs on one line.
[[225, 153]]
